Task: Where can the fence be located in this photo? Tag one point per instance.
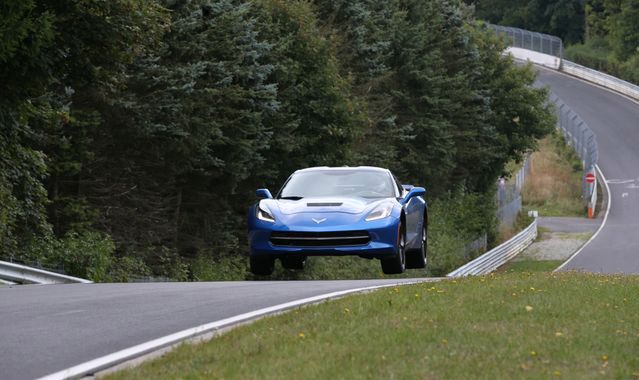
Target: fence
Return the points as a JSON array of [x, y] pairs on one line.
[[539, 42], [575, 130], [478, 245], [509, 202], [580, 137]]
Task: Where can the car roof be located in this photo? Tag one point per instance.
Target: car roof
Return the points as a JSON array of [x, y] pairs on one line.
[[340, 168]]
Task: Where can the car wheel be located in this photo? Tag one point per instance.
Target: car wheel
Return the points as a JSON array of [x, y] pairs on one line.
[[397, 263], [416, 258], [293, 262], [262, 265]]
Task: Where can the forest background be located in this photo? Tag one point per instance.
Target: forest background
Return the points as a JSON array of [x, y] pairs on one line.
[[133, 133]]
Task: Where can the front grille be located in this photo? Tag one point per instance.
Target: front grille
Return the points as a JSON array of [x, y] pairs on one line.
[[320, 239], [325, 204]]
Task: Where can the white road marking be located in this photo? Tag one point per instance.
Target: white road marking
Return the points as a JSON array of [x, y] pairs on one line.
[[624, 195], [68, 312], [619, 181]]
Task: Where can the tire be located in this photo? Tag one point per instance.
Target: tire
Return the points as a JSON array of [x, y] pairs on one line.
[[416, 258], [397, 263], [262, 265], [293, 262]]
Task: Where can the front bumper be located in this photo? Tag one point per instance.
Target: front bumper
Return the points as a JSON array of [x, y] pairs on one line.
[[383, 240]]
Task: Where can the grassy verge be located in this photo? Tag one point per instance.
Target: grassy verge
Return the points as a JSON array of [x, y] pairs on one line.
[[554, 185], [532, 325]]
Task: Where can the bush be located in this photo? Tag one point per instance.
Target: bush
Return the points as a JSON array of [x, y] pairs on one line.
[[454, 221], [88, 255], [223, 268], [630, 69], [127, 268]]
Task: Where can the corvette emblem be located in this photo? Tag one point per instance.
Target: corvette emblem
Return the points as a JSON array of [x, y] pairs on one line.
[[318, 221]]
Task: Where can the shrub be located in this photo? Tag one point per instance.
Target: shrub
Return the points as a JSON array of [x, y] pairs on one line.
[[454, 221], [88, 255], [222, 268]]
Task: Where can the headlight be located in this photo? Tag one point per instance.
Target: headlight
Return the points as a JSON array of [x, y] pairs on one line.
[[380, 212], [263, 213]]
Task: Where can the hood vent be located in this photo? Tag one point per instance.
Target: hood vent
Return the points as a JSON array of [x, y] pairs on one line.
[[324, 204]]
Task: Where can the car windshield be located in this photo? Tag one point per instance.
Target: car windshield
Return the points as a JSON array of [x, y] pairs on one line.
[[341, 183]]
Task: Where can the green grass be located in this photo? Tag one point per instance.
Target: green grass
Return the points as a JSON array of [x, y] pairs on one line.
[[564, 207], [517, 325], [531, 266], [553, 186]]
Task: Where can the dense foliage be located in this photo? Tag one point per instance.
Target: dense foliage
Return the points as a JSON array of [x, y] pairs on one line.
[[563, 18], [134, 132], [612, 38]]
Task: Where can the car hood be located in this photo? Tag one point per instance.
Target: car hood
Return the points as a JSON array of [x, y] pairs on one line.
[[325, 204]]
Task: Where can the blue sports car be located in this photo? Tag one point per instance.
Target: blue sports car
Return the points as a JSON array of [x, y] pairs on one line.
[[326, 211]]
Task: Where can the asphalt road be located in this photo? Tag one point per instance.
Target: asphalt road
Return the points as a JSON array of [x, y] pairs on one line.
[[569, 224], [615, 121], [48, 328]]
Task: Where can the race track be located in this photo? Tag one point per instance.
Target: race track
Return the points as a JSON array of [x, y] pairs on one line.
[[615, 121]]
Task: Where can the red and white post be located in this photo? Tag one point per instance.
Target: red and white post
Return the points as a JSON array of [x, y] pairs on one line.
[[591, 181]]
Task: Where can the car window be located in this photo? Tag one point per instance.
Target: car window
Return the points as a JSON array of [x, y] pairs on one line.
[[400, 188], [343, 183]]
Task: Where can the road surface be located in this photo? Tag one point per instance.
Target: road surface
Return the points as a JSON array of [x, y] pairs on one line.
[[615, 121]]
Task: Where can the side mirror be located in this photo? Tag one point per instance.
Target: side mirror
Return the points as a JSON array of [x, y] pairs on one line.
[[263, 194], [408, 187], [414, 192]]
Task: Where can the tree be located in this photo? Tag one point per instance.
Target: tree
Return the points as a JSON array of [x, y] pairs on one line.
[[624, 29], [317, 120], [26, 40], [441, 81]]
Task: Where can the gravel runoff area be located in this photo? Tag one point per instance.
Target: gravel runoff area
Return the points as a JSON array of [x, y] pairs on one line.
[[559, 238]]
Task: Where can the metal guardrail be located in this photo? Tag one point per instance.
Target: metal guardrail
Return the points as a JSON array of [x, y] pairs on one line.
[[602, 79], [498, 256], [525, 39], [16, 273]]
